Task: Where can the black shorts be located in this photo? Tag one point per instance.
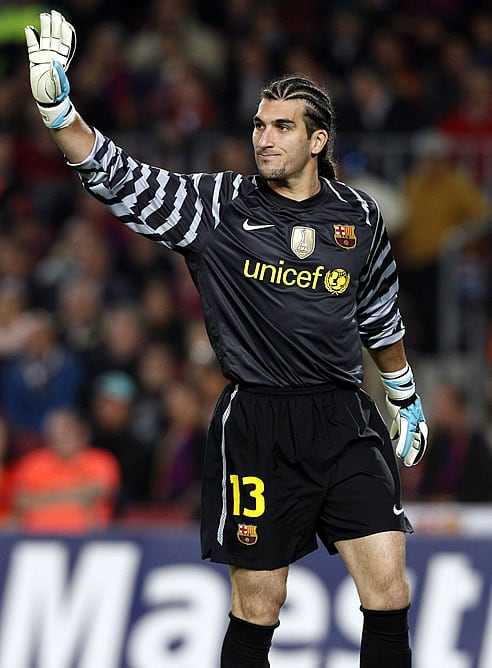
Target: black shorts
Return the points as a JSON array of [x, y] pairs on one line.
[[282, 468]]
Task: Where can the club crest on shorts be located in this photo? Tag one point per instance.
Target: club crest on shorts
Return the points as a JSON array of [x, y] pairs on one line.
[[246, 534], [344, 236], [303, 241]]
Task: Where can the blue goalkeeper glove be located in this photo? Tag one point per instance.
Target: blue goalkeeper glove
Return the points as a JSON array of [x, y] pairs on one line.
[[408, 419], [50, 52]]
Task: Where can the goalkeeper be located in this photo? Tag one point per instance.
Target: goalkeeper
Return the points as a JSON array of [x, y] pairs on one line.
[[295, 272]]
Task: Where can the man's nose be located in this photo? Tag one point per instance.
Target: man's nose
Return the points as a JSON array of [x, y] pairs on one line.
[[266, 137]]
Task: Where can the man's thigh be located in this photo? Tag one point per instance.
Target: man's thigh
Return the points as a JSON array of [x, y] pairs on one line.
[[364, 497], [377, 566]]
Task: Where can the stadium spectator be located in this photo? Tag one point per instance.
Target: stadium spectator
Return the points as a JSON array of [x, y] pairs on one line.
[[69, 258], [471, 117], [172, 27], [159, 315], [79, 316], [95, 260], [458, 466], [178, 460], [372, 105], [186, 109], [344, 43], [66, 485], [157, 369], [388, 54], [123, 336], [438, 198], [469, 123], [443, 73], [45, 375], [111, 415]]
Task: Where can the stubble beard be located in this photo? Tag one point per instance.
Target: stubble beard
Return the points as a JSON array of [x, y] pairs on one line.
[[277, 175]]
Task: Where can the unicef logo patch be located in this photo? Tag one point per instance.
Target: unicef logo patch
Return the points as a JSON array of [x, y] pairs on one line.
[[337, 281]]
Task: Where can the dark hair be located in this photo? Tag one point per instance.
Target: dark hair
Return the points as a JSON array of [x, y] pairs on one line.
[[319, 113]]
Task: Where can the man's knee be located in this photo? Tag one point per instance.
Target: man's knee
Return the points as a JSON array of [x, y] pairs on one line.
[[377, 565], [261, 607], [261, 610], [257, 596], [391, 592]]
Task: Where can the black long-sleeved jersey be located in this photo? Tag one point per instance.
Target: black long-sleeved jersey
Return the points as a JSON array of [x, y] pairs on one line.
[[289, 289]]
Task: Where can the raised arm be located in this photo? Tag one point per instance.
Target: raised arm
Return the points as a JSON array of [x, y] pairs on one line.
[[50, 52]]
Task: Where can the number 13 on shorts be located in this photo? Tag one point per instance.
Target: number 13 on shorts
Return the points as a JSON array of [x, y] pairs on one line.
[[246, 491]]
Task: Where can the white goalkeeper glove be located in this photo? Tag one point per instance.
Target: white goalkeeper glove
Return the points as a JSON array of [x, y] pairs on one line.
[[50, 52], [408, 420]]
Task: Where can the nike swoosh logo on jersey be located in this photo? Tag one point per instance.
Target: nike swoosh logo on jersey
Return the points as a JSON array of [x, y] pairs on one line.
[[397, 511], [249, 227]]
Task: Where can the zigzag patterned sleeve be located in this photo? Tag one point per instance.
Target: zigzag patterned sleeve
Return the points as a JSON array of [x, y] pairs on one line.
[[176, 210], [379, 317]]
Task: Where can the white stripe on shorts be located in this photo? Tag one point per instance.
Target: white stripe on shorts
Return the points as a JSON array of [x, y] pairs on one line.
[[223, 515]]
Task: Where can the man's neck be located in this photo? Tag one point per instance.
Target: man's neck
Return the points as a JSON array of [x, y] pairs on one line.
[[296, 189]]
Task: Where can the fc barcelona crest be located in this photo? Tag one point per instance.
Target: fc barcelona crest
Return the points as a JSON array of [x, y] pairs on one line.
[[246, 534], [303, 241], [344, 236]]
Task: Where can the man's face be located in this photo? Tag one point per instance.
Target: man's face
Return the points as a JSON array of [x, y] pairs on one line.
[[65, 434], [282, 147]]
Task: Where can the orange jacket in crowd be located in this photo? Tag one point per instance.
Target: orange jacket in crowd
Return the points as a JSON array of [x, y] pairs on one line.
[[53, 494]]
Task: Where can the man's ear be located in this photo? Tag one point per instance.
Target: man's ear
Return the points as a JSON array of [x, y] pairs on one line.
[[319, 139]]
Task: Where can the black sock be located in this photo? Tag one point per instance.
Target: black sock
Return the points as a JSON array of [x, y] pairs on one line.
[[385, 639], [246, 645]]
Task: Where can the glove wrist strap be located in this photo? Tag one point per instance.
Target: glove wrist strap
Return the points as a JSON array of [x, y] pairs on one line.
[[59, 115], [399, 385]]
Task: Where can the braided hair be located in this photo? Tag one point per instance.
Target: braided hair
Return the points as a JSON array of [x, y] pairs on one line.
[[318, 113]]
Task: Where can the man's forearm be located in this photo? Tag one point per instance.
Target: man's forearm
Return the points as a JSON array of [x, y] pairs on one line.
[[76, 140], [390, 358]]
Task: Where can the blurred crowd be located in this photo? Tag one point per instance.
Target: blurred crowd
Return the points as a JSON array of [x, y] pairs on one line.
[[107, 380]]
